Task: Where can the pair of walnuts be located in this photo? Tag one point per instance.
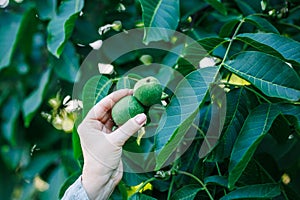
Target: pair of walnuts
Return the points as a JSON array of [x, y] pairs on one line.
[[146, 92]]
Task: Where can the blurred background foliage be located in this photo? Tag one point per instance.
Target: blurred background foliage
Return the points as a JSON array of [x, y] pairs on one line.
[[43, 43]]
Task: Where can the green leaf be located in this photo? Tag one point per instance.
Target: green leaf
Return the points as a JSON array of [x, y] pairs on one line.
[[39, 163], [211, 43], [262, 191], [94, 90], [273, 44], [261, 169], [261, 23], [55, 180], [139, 196], [188, 60], [35, 99], [67, 66], [10, 25], [7, 181], [11, 156], [244, 7], [218, 5], [181, 112], [122, 187], [188, 159], [187, 192], [133, 179], [256, 126], [160, 15], [188, 8], [292, 110], [9, 121], [127, 81], [46, 9], [77, 151], [237, 110], [61, 26], [269, 74], [228, 27], [216, 179]]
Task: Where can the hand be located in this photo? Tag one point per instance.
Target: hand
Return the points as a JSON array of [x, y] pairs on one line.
[[102, 148]]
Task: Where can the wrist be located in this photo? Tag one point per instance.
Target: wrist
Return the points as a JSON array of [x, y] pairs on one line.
[[100, 181]]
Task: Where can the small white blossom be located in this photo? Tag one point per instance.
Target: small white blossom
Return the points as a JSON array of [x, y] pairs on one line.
[[67, 125], [116, 25], [207, 62], [96, 45], [121, 7], [105, 68], [66, 99], [4, 3], [146, 59], [40, 184], [103, 29], [73, 105], [164, 103], [80, 45]]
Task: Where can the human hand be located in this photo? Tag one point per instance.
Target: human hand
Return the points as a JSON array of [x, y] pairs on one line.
[[102, 147]]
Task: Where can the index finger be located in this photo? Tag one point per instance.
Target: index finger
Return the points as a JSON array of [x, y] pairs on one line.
[[99, 111]]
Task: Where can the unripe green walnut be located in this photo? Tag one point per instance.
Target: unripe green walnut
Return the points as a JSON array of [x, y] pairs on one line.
[[125, 109], [148, 91]]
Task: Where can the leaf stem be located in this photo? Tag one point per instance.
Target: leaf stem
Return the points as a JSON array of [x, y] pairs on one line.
[[231, 41], [250, 89], [270, 177], [258, 94], [262, 97], [284, 194], [220, 174], [199, 181], [171, 187], [203, 135], [114, 80]]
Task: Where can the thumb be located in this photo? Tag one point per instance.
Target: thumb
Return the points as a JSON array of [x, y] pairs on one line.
[[121, 135]]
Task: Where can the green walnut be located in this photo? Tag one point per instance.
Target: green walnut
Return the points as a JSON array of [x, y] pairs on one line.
[[148, 91], [125, 109]]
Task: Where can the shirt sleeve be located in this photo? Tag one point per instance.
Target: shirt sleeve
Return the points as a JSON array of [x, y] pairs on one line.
[[75, 192]]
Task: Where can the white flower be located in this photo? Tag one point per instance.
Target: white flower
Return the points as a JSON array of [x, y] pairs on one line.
[[146, 59], [121, 7], [105, 68], [207, 62], [66, 99], [164, 103], [96, 45], [105, 28], [80, 45], [67, 125], [72, 105], [116, 25], [4, 3], [40, 184]]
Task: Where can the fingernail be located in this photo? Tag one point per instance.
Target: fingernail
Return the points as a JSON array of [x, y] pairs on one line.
[[130, 91], [140, 118]]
